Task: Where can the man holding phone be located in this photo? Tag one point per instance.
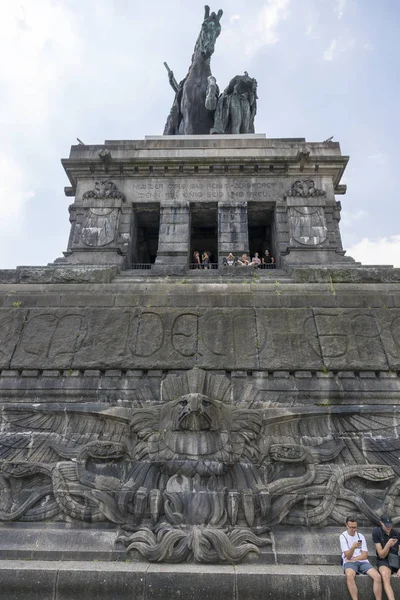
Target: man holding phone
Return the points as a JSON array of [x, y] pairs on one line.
[[386, 541], [355, 559]]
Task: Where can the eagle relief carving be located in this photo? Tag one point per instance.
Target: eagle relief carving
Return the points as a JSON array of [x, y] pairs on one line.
[[192, 476]]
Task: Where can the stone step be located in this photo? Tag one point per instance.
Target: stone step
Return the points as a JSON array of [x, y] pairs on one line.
[[69, 580], [207, 276]]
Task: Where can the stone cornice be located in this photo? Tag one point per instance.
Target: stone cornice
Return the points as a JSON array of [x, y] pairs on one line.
[[172, 167], [166, 156]]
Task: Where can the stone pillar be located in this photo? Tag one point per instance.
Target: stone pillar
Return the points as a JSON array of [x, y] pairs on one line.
[[280, 232], [174, 236], [233, 230]]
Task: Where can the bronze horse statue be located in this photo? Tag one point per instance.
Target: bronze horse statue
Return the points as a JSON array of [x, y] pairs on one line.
[[189, 115]]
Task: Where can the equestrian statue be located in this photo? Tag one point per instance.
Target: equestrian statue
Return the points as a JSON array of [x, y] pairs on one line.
[[189, 114]]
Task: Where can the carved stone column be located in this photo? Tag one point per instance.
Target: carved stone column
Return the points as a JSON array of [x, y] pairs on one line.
[[174, 236], [233, 230]]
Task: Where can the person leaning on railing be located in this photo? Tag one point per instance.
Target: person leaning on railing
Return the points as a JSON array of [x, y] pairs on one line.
[[256, 260], [205, 260], [229, 261], [196, 260], [268, 260], [243, 261]]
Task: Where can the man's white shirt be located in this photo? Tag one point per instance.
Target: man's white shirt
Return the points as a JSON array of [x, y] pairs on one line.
[[346, 542]]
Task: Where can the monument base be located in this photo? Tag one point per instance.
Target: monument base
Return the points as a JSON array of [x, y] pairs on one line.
[[34, 580]]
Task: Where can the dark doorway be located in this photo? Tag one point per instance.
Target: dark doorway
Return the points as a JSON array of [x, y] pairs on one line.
[[146, 228], [260, 222], [204, 230]]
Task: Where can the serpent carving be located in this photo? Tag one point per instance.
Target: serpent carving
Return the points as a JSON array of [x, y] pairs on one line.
[[28, 509], [193, 477], [331, 492]]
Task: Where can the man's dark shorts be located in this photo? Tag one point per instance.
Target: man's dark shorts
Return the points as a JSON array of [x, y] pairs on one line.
[[358, 567], [385, 563]]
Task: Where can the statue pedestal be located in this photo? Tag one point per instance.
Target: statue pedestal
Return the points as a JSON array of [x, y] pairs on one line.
[[253, 194], [154, 413]]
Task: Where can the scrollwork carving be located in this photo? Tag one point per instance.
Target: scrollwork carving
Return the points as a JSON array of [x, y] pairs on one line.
[[104, 189], [305, 188]]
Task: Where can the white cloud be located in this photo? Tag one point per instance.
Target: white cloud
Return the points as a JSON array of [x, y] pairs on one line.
[[339, 8], [313, 24], [14, 193], [234, 18], [330, 51], [337, 47], [269, 19], [38, 45], [384, 251]]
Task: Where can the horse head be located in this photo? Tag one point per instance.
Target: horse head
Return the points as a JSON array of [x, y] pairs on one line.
[[209, 32]]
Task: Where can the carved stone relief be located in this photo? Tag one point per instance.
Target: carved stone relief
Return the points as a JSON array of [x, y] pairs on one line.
[[104, 189], [196, 478], [307, 225], [99, 226], [160, 338], [305, 188]]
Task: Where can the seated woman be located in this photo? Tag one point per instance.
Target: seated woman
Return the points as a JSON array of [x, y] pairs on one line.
[[243, 261], [255, 261], [196, 260], [229, 260]]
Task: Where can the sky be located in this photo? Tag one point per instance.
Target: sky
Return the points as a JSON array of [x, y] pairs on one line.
[[93, 69]]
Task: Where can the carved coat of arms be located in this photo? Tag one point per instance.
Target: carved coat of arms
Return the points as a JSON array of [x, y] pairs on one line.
[[307, 225], [99, 226]]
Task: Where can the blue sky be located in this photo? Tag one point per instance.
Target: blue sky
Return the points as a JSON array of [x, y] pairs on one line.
[[93, 69]]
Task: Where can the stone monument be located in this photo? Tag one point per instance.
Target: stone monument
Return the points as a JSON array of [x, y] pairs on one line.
[[156, 410]]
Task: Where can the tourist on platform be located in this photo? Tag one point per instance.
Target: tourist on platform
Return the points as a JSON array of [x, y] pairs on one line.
[[355, 560], [196, 260], [386, 541], [243, 261], [256, 260], [205, 260], [229, 260], [268, 260]]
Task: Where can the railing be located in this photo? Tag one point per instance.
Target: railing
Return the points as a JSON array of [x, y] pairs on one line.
[[254, 266], [206, 267], [141, 266]]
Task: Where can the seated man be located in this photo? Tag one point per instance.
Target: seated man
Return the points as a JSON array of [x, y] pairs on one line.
[[386, 541], [243, 261], [229, 260], [355, 559], [268, 261]]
